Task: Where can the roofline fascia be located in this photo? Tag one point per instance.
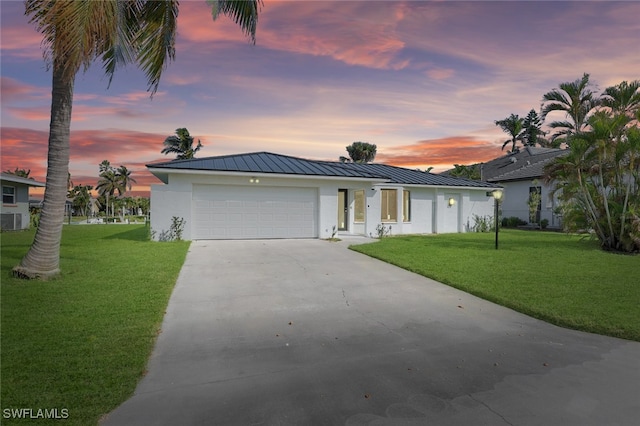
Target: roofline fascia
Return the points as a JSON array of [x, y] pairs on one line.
[[152, 170], [417, 185], [24, 181]]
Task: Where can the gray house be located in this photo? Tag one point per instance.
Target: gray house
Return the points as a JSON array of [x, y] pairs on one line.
[[521, 174], [265, 195], [14, 211]]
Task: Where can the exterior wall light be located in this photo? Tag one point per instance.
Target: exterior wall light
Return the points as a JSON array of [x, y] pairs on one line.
[[451, 201], [254, 180]]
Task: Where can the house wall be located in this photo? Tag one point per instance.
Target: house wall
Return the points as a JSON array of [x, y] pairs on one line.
[[20, 207], [175, 198], [516, 197], [430, 212]]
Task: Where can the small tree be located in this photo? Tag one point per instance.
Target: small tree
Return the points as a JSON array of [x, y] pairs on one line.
[[19, 172], [360, 152], [535, 198], [471, 171]]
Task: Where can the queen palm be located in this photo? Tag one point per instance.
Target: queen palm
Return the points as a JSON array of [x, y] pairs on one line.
[[181, 144], [117, 32], [108, 184], [576, 100], [124, 176], [513, 125]]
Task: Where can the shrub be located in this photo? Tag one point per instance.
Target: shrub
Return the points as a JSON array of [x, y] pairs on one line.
[[382, 231], [544, 223], [512, 222], [483, 223]]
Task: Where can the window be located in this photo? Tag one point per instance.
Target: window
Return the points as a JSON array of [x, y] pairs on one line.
[[535, 203], [389, 207], [406, 206], [8, 195], [358, 207]]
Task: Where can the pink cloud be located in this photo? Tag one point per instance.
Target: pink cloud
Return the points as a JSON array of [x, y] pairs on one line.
[[26, 148], [16, 91], [440, 153], [371, 40]]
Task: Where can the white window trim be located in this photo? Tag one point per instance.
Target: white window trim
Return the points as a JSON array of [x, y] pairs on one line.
[[14, 194]]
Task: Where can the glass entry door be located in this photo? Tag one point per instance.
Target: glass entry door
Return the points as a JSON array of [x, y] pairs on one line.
[[343, 210]]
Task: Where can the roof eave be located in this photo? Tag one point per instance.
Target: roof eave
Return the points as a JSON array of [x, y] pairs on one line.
[[163, 175]]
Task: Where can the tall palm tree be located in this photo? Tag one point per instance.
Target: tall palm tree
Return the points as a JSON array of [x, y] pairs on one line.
[[124, 176], [108, 184], [181, 144], [513, 125], [576, 100], [117, 32]]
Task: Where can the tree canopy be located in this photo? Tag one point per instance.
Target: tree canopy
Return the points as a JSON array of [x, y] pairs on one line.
[[116, 33], [181, 144], [360, 152]]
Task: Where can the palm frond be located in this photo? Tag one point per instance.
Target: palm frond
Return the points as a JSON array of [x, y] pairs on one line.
[[242, 12], [155, 40]]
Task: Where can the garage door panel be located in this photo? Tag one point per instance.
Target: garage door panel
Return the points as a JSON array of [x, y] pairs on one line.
[[249, 212]]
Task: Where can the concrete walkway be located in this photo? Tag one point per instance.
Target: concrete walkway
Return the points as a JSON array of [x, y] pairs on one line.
[[307, 332]]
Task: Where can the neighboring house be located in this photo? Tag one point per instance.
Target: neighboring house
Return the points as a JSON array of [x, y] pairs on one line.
[[265, 195], [15, 201], [520, 174]]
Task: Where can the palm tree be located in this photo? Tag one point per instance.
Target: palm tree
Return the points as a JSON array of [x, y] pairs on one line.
[[623, 98], [512, 125], [124, 175], [577, 101], [598, 180], [182, 144], [117, 32], [360, 152], [108, 184]]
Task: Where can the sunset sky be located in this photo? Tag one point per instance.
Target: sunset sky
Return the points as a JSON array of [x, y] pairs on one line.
[[422, 80]]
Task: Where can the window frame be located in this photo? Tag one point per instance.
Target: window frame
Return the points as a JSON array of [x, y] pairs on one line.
[[13, 195], [406, 206], [393, 217], [359, 207]]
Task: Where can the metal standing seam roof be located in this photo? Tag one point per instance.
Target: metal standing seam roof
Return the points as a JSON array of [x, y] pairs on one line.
[[266, 162], [262, 162]]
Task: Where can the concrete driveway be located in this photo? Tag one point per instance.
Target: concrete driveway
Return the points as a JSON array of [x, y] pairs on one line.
[[307, 332]]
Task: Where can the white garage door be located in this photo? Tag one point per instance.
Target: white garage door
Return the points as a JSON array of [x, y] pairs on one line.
[[253, 212]]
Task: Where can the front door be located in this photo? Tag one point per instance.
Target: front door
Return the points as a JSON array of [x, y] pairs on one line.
[[343, 210]]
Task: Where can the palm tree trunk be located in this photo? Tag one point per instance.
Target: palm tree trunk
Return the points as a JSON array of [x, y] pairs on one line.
[[43, 258]]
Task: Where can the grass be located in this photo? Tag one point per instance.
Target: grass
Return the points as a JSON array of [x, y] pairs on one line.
[[565, 280], [81, 342]]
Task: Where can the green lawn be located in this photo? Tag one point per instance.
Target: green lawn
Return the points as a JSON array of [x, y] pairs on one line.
[[81, 342], [562, 279]]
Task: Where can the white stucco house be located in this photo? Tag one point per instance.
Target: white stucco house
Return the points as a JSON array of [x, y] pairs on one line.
[[14, 212], [264, 195]]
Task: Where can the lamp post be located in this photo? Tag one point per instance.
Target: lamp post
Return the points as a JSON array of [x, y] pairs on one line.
[[497, 196]]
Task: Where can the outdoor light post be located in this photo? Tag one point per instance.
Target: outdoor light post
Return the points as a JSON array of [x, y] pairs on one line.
[[497, 195]]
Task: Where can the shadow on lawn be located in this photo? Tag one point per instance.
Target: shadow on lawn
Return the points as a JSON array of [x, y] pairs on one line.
[[139, 233]]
